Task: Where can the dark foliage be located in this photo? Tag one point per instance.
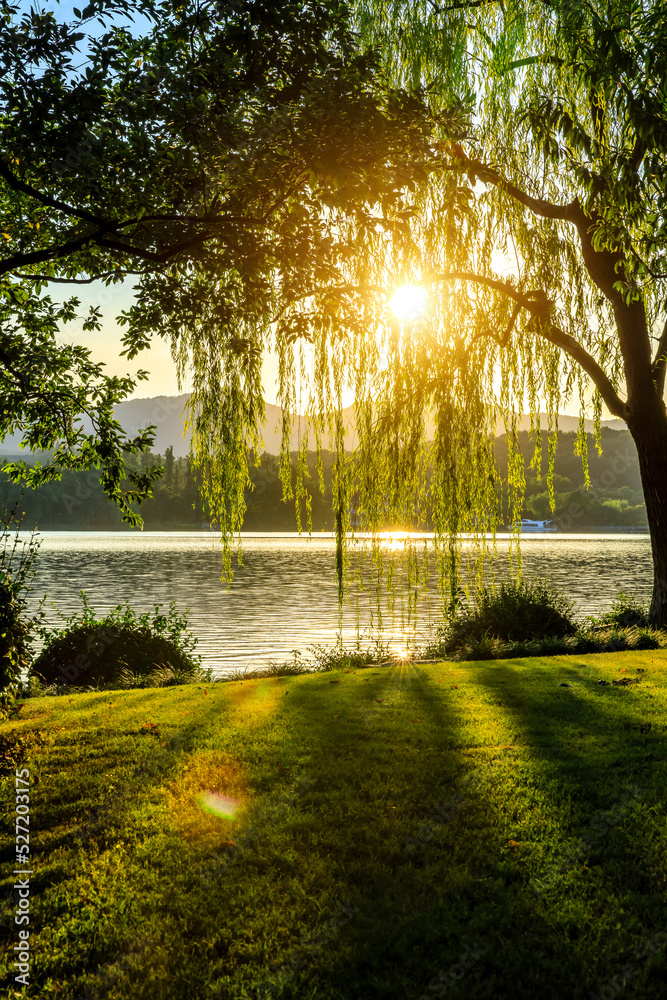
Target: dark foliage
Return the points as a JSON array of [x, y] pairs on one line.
[[513, 612], [119, 650], [522, 620], [626, 612], [14, 635], [16, 626]]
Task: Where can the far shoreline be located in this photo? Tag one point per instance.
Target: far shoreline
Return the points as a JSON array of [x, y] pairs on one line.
[[426, 535]]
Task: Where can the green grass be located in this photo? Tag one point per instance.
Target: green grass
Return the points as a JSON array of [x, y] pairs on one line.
[[472, 830]]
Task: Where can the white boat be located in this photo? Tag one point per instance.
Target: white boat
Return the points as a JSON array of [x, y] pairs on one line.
[[526, 525]]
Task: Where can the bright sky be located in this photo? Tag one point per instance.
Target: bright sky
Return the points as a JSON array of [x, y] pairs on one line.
[[106, 345]]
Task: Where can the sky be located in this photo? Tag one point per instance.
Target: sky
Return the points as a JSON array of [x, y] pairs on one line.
[[106, 344]]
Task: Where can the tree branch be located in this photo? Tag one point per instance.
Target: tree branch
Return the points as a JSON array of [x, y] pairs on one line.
[[568, 344], [540, 307], [207, 219], [546, 209], [79, 213], [151, 255], [42, 256], [487, 174], [462, 5], [81, 281], [525, 299], [538, 304]]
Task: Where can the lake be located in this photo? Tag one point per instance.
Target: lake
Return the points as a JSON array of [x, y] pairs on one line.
[[285, 597]]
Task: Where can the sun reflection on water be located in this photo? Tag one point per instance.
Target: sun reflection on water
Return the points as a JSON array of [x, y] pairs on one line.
[[396, 541]]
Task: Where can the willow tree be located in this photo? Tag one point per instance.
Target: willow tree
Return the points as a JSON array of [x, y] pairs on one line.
[[563, 162], [272, 191]]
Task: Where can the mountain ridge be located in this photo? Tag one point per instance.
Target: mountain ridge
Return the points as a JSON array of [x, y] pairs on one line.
[[167, 414]]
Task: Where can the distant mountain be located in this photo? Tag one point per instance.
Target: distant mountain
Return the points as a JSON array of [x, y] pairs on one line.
[[566, 424], [167, 414]]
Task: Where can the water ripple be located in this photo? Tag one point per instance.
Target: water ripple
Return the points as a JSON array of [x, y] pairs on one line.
[[284, 597]]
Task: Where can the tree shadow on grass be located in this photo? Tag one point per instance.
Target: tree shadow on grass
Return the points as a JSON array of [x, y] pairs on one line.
[[549, 944], [85, 789], [407, 838], [462, 899]]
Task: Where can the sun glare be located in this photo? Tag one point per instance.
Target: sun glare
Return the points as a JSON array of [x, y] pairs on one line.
[[408, 301]]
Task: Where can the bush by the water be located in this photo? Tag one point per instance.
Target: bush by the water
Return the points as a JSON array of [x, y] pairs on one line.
[[511, 613], [521, 619], [610, 640], [625, 612], [120, 650]]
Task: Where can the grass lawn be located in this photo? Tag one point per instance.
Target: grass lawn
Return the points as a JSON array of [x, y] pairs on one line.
[[473, 830]]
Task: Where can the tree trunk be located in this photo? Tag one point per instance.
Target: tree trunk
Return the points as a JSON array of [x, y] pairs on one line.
[[650, 437]]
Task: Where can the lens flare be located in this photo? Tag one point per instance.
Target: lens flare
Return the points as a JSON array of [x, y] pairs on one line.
[[218, 805], [408, 302]]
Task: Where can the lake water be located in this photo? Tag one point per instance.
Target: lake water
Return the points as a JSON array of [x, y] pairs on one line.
[[285, 597]]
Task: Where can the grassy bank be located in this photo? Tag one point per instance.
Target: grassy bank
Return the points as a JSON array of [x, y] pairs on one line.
[[474, 830]]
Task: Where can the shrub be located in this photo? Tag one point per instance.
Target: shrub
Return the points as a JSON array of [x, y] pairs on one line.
[[542, 623], [323, 659], [484, 648], [16, 626], [120, 650], [648, 639], [625, 612], [514, 612], [341, 658], [288, 668], [554, 646]]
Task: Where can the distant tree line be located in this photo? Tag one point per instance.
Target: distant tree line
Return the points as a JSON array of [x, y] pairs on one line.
[[614, 498], [77, 501]]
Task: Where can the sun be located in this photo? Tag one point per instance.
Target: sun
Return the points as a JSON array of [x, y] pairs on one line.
[[408, 301]]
